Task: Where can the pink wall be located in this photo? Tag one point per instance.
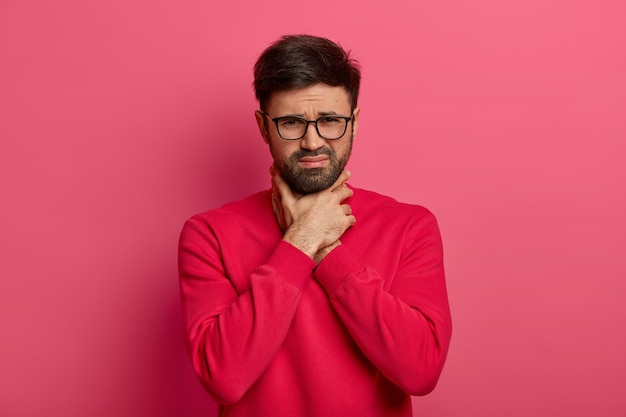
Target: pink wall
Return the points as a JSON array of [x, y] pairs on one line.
[[120, 119]]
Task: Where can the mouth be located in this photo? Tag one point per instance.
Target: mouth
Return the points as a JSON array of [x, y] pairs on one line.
[[319, 161]]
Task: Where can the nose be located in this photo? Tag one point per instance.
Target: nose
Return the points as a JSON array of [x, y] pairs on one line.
[[312, 140]]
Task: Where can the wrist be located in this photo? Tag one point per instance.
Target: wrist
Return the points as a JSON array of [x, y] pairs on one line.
[[323, 252], [301, 242]]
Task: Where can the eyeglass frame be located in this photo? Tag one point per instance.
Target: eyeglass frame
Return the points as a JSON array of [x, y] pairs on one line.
[[306, 129]]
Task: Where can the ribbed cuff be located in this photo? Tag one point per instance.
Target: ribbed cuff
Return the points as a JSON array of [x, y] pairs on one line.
[[291, 264], [335, 267]]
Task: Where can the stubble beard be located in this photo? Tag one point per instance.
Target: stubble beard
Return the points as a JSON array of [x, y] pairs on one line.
[[312, 180]]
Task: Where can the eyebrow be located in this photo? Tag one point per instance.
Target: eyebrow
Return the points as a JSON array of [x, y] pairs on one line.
[[319, 114]]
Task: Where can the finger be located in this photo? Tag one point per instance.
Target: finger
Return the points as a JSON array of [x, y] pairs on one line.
[[351, 220], [276, 204], [347, 209], [283, 189], [276, 178], [343, 192], [275, 189], [279, 212], [341, 180]]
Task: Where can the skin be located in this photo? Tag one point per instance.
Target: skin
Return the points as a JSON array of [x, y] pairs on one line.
[[313, 222]]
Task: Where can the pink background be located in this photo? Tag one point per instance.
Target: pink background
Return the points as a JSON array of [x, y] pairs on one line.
[[120, 119]]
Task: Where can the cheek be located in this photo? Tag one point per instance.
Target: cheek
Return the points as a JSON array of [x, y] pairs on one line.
[[341, 149], [282, 149]]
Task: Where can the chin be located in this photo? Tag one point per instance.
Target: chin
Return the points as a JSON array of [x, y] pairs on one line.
[[312, 180]]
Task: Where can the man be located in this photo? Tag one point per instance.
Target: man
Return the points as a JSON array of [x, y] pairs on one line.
[[313, 298]]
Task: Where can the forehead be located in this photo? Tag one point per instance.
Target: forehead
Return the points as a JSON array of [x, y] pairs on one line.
[[315, 98]]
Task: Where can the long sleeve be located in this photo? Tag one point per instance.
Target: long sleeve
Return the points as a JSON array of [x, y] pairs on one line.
[[233, 332], [401, 322]]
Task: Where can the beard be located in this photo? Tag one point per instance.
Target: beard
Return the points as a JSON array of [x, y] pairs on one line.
[[312, 180]]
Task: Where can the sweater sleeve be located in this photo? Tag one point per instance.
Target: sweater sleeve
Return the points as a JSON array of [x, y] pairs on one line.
[[231, 336], [404, 330]]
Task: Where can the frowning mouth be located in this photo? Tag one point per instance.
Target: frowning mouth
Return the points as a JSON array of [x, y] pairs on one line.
[[318, 161]]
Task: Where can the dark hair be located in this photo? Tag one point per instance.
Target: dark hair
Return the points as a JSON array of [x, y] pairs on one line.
[[298, 61]]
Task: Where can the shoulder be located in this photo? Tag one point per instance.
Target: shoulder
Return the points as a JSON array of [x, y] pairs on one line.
[[246, 214], [248, 207], [370, 203], [393, 226]]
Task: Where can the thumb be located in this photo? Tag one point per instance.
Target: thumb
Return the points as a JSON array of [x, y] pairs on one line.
[[280, 185]]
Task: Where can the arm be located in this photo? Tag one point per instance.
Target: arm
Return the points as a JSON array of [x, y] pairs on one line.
[[404, 330], [233, 337]]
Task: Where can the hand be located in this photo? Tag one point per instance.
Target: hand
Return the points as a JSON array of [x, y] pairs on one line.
[[321, 254], [277, 207], [314, 221]]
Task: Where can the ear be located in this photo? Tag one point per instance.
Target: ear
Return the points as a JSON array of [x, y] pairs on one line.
[[262, 125], [355, 121]]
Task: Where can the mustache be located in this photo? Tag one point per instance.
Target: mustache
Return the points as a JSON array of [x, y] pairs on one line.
[[303, 153]]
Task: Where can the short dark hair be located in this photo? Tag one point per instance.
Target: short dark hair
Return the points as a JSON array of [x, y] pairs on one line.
[[299, 61]]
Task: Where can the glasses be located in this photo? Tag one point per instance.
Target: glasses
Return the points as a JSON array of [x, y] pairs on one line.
[[329, 127]]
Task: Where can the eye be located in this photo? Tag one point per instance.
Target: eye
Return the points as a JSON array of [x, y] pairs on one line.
[[291, 122], [330, 120]]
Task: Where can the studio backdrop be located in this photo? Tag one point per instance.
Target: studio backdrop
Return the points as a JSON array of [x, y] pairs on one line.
[[121, 119]]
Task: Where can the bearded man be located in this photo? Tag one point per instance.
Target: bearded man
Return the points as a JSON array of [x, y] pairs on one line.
[[313, 298]]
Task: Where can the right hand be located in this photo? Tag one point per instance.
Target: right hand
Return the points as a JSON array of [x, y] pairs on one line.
[[313, 221]]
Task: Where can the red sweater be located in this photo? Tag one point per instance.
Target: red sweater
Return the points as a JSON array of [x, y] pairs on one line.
[[270, 334]]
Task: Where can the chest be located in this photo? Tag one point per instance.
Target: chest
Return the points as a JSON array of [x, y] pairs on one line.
[[249, 245]]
